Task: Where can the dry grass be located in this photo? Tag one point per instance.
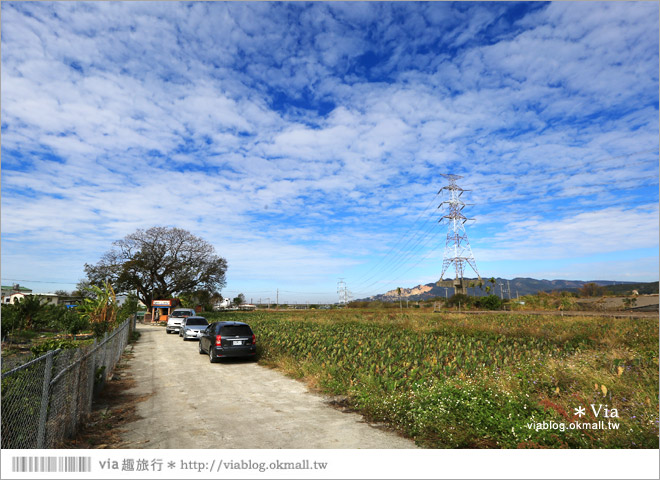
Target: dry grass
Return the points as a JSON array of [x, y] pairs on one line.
[[114, 408]]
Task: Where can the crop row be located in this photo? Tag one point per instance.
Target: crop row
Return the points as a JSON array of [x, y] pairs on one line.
[[455, 382], [395, 357]]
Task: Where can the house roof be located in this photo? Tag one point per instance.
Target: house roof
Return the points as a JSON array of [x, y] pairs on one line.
[[20, 289]]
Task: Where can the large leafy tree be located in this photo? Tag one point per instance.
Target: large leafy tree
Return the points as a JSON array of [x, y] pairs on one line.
[[160, 263]]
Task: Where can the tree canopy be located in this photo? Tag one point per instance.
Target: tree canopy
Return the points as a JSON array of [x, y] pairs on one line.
[[240, 299], [160, 263]]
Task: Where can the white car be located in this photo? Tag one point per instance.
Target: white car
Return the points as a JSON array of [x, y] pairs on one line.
[[174, 319]]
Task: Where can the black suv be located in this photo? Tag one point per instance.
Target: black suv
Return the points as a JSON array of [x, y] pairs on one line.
[[228, 339]]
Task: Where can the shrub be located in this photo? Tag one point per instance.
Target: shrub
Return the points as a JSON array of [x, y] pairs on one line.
[[491, 302], [101, 328], [460, 299], [11, 320], [54, 344], [73, 323]]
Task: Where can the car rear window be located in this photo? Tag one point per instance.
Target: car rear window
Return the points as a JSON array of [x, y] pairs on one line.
[[196, 321], [232, 330]]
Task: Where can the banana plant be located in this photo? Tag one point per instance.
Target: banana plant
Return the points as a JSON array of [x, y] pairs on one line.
[[101, 310]]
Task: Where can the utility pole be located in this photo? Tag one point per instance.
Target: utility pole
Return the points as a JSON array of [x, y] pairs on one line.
[[508, 288], [457, 247], [278, 300]]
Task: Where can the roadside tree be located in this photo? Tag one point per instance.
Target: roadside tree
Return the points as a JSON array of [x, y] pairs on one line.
[[160, 263]]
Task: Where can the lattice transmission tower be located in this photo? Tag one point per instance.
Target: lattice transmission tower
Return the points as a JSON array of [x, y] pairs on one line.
[[345, 295], [457, 249]]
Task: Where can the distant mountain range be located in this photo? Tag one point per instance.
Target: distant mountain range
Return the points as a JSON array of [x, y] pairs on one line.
[[511, 288]]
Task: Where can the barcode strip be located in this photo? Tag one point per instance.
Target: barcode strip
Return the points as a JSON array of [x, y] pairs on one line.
[[51, 464]]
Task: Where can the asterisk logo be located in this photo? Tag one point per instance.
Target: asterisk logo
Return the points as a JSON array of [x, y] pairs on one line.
[[580, 411], [171, 464]]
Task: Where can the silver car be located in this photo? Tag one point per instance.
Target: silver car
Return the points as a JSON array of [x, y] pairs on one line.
[[193, 327]]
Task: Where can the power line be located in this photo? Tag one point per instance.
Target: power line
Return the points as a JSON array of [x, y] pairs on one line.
[[394, 261], [368, 293], [393, 266], [403, 259], [365, 292], [396, 244], [40, 281], [456, 206]]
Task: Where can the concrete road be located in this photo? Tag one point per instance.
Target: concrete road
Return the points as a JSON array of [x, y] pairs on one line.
[[234, 404]]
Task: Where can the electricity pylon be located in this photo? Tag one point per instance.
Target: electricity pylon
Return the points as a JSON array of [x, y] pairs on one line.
[[342, 290], [457, 247]]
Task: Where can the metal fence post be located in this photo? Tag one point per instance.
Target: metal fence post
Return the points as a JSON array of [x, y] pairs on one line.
[[127, 333], [92, 374], [105, 356], [45, 399], [74, 397]]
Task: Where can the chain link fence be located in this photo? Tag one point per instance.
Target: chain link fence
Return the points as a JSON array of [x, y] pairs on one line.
[[46, 399]]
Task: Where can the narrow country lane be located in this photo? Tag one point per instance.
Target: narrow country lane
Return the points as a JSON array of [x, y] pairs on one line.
[[236, 404]]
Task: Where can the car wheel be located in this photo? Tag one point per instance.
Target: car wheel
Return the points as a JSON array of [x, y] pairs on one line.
[[201, 352], [212, 357]]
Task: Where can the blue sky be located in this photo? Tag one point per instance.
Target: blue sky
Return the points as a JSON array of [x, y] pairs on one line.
[[305, 141]]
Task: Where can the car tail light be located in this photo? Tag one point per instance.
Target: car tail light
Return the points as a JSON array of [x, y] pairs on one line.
[[254, 339], [218, 340]]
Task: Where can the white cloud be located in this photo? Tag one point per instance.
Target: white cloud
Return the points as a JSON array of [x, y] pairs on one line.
[[204, 115], [597, 231]]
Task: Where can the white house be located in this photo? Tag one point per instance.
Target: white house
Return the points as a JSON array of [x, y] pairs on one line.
[[15, 292], [13, 298], [46, 298]]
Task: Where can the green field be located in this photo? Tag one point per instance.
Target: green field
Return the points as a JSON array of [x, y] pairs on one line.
[[495, 381]]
